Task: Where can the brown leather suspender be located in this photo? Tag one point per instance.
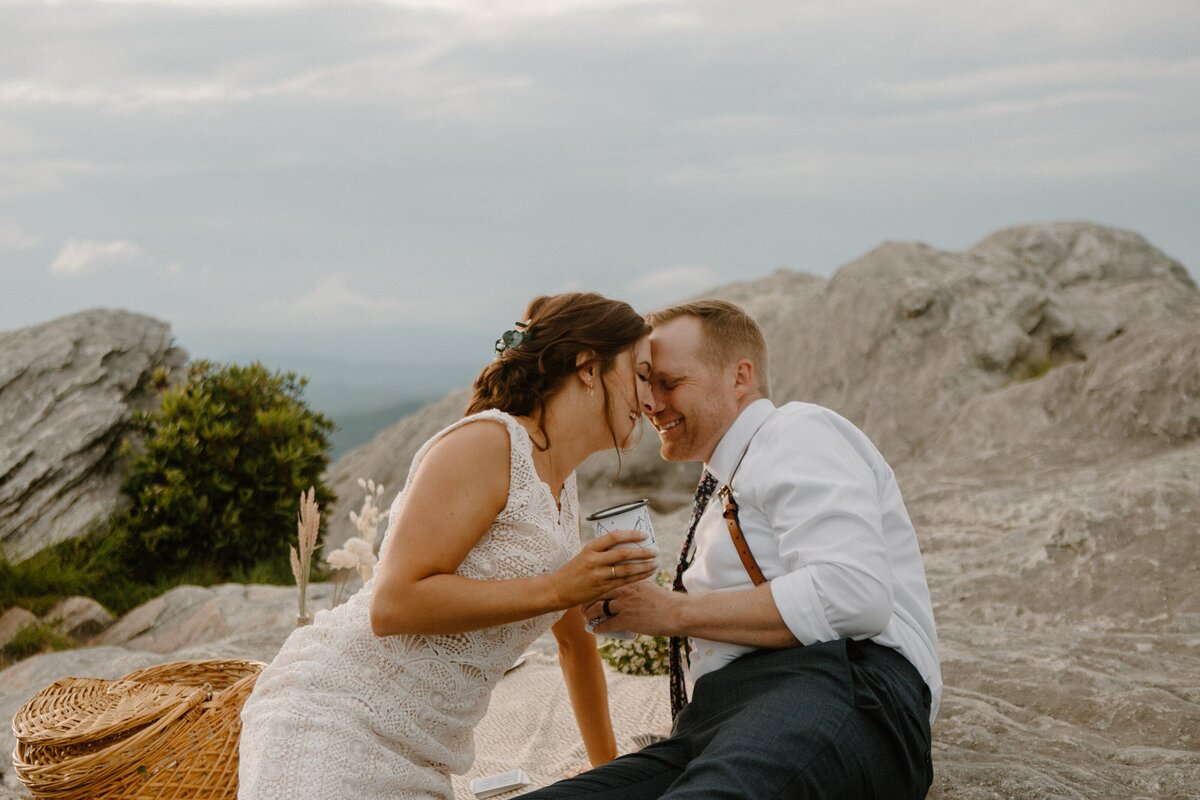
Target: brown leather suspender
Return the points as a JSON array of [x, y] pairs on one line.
[[732, 522], [739, 539]]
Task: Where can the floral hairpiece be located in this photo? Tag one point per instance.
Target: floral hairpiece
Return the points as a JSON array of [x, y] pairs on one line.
[[514, 338]]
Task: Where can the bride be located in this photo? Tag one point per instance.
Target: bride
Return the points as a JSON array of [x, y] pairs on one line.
[[378, 698]]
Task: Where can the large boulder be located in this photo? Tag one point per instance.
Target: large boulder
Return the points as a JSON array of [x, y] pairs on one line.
[[78, 617], [905, 338], [67, 392]]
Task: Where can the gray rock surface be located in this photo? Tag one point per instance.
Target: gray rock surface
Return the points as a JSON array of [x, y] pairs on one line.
[[67, 389], [79, 617]]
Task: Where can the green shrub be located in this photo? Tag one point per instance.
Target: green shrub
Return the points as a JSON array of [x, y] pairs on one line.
[[215, 481]]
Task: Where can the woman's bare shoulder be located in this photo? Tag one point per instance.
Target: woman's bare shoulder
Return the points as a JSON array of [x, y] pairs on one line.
[[479, 436], [475, 450]]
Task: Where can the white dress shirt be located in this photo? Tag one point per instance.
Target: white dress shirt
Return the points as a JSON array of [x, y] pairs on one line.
[[823, 516]]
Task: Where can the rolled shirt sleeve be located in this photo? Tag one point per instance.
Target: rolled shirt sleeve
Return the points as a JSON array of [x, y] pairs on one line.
[[822, 504]]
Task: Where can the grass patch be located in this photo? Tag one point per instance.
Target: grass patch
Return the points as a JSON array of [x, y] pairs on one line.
[[100, 565], [92, 566], [31, 640]]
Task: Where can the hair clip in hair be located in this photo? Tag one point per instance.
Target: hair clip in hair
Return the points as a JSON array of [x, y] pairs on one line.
[[514, 338]]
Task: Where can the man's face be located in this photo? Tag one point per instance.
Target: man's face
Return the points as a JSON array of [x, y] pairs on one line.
[[694, 403]]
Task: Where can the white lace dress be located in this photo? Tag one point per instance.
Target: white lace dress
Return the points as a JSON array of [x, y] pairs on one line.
[[342, 713]]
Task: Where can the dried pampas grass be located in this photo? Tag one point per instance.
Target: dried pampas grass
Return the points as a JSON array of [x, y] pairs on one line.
[[307, 525]]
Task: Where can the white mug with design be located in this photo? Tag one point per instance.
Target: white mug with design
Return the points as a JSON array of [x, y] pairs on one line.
[[631, 516]]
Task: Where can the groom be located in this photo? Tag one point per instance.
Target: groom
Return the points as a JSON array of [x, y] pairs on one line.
[[813, 658]]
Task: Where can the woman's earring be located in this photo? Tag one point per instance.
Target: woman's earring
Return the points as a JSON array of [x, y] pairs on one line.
[[591, 390]]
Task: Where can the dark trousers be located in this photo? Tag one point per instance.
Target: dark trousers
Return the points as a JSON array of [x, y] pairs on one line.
[[840, 719]]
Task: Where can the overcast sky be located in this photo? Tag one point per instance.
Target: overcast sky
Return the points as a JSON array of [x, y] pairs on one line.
[[391, 181]]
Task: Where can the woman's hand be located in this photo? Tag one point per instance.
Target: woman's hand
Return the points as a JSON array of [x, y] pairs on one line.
[[598, 570]]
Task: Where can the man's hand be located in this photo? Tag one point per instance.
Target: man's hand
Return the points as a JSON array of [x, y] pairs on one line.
[[642, 607]]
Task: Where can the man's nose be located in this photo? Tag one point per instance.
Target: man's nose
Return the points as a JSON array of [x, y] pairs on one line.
[[652, 403]]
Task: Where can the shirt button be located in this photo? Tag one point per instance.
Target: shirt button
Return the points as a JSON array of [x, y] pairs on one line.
[[708, 652]]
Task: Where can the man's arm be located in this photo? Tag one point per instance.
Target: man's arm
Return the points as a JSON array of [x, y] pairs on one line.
[[745, 616], [820, 502]]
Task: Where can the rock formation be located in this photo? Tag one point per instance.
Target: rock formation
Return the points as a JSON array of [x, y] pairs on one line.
[[1039, 397], [67, 390]]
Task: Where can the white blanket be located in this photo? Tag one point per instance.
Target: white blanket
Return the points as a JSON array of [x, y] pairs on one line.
[[529, 724]]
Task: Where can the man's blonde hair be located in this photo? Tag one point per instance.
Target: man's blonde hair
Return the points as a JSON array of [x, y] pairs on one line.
[[730, 334]]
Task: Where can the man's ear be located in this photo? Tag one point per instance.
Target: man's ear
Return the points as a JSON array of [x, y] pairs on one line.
[[743, 378]]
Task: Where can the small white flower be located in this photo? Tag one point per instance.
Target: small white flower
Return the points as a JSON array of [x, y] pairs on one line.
[[342, 559], [360, 549]]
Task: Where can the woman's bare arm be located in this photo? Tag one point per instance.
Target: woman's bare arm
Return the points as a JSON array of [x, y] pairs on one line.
[[460, 487], [586, 686]]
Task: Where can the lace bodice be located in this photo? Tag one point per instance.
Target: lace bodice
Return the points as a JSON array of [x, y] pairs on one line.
[[408, 704]]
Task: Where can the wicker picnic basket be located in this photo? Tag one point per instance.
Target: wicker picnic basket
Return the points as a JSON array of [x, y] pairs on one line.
[[165, 732]]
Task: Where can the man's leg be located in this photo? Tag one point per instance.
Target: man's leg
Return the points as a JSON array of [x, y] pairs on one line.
[[643, 775], [830, 721], [833, 720]]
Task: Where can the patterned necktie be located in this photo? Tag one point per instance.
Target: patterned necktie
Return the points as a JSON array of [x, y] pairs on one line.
[[678, 643]]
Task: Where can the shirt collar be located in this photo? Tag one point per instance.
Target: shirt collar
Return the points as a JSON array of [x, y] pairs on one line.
[[729, 450]]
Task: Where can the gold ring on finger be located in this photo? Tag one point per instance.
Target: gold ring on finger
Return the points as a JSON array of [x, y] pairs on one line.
[[613, 567]]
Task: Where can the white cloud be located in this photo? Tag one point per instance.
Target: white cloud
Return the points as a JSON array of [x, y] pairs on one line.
[[482, 10], [80, 257], [671, 285], [43, 93], [335, 303], [1037, 78], [23, 174], [12, 237]]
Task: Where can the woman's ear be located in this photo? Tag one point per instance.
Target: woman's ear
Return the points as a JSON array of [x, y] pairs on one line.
[[585, 366]]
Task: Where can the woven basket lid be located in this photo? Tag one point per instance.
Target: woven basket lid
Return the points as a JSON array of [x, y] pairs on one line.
[[218, 673], [79, 710]]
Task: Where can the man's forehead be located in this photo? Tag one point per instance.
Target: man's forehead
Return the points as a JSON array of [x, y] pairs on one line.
[[675, 345]]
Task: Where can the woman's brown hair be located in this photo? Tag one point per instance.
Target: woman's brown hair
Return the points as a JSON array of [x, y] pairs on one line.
[[558, 328]]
